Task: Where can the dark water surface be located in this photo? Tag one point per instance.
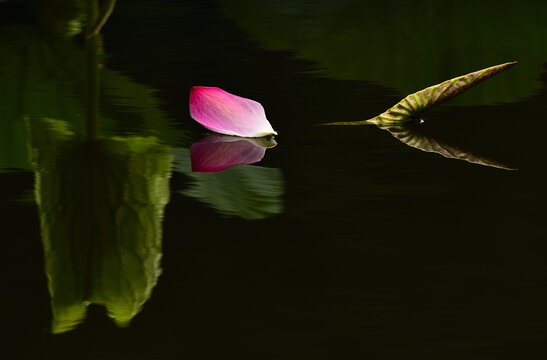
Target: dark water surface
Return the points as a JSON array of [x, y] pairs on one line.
[[342, 243]]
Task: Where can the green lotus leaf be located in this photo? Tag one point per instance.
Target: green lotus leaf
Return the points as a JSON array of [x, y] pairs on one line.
[[101, 205], [412, 106]]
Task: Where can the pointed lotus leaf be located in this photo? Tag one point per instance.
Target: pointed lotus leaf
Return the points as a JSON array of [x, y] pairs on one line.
[[414, 104], [414, 135], [101, 206]]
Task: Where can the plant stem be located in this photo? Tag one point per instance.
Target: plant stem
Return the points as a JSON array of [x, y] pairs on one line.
[[92, 74]]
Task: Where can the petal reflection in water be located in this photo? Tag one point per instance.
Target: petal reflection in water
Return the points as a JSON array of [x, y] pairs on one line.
[[218, 152], [247, 191]]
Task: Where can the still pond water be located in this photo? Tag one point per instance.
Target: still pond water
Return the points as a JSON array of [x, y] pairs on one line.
[[342, 243]]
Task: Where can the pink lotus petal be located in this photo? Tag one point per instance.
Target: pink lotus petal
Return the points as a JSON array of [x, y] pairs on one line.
[[216, 152], [228, 114]]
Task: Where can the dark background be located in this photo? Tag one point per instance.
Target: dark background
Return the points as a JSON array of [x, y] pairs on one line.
[[382, 251]]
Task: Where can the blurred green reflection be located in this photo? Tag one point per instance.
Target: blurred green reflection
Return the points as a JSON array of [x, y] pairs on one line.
[[101, 206], [100, 196]]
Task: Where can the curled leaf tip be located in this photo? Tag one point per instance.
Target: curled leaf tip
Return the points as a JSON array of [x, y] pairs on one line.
[[411, 107], [225, 113], [414, 104]]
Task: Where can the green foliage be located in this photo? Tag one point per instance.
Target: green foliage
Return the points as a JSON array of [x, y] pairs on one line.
[[247, 191], [101, 206]]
